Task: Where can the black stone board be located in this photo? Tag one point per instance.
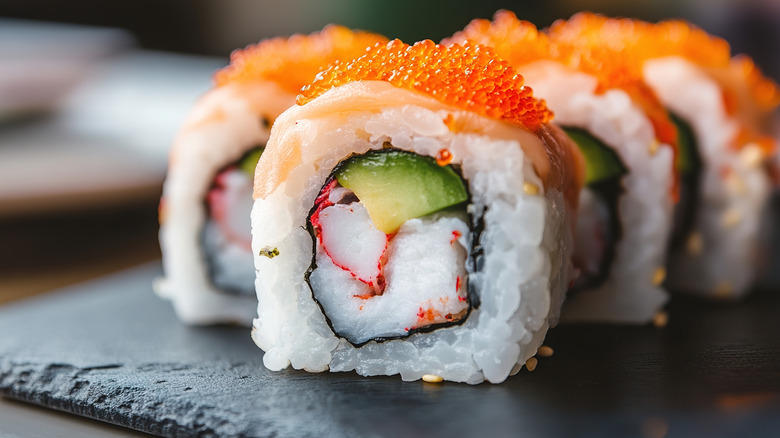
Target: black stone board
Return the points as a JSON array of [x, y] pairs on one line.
[[111, 350]]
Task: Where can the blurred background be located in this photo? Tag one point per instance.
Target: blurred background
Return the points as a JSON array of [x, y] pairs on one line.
[[92, 92]]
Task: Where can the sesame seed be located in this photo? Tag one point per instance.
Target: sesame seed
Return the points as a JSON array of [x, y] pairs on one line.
[[269, 252], [530, 188], [751, 155], [731, 218], [162, 212], [544, 351], [531, 363], [659, 276], [660, 319], [431, 378], [694, 244], [655, 428], [653, 148], [735, 184], [724, 289]]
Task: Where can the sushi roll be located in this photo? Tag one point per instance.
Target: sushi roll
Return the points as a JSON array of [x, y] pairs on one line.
[[629, 144], [413, 215], [720, 105], [207, 197]]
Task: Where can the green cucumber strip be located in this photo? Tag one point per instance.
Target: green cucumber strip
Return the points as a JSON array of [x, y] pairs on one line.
[[395, 186], [248, 162], [687, 160], [601, 162]]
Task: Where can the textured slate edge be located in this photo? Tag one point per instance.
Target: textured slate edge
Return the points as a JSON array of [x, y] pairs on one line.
[[79, 390], [187, 401], [649, 373]]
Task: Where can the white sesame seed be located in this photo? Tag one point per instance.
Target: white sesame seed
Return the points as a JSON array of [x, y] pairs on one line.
[[731, 218], [530, 188], [431, 378], [653, 147], [544, 351], [724, 289], [694, 244], [661, 319], [531, 363], [659, 276], [751, 155], [735, 184], [655, 428]]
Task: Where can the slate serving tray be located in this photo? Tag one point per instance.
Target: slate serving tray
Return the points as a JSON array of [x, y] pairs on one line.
[[112, 351]]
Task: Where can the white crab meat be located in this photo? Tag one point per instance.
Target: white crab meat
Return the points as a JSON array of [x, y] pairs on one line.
[[352, 240], [420, 271], [227, 233], [230, 204]]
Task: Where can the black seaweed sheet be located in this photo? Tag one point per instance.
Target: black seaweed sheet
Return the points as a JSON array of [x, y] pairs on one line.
[[111, 350]]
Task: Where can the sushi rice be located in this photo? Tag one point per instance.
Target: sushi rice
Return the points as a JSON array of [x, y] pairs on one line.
[[720, 257], [630, 294]]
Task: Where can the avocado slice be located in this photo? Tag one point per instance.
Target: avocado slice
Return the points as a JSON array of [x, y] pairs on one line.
[[395, 186], [687, 160], [248, 162], [601, 162]]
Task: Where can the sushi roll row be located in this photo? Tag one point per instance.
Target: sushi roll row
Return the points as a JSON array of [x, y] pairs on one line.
[[421, 210], [677, 203], [628, 141], [719, 105]]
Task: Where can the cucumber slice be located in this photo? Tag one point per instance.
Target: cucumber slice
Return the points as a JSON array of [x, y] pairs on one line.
[[688, 164], [395, 186], [601, 162], [687, 160], [248, 162]]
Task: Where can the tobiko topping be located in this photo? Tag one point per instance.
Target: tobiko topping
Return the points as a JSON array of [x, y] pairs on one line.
[[470, 77], [638, 41], [293, 62]]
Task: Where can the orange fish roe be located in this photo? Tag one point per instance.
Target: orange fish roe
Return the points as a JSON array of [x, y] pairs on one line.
[[639, 41], [765, 92], [470, 77], [517, 41], [429, 315], [521, 43], [578, 47], [293, 62], [450, 122], [443, 157], [595, 46]]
